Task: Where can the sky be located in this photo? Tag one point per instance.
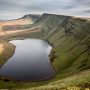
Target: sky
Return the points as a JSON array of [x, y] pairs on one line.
[[13, 9]]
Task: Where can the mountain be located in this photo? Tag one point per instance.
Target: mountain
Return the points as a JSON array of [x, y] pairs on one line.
[[33, 17], [21, 23], [70, 39]]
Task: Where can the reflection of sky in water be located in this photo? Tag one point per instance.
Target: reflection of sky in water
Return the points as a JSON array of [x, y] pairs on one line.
[[30, 61]]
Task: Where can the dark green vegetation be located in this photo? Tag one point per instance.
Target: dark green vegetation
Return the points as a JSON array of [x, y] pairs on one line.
[[70, 38]]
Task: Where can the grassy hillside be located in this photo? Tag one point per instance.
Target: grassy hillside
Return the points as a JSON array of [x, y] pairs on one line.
[[71, 40], [72, 45], [21, 23], [5, 25], [70, 37]]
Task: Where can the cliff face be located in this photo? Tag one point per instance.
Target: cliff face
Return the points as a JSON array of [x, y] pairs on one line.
[[71, 39], [33, 17]]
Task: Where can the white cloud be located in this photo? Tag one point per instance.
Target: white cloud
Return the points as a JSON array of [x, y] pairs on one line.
[[10, 9]]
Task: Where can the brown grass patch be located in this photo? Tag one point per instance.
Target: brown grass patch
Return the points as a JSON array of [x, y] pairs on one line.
[[6, 51]]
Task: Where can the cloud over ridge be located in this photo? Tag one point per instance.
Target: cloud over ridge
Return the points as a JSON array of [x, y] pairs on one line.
[[11, 9]]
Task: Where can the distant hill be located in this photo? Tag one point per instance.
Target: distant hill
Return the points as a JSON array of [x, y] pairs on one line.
[[21, 23], [33, 17]]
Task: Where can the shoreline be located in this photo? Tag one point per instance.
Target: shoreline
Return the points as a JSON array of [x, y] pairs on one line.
[[8, 51], [51, 54]]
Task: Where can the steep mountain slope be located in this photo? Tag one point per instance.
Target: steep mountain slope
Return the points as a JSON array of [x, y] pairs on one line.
[[70, 39], [33, 17], [6, 51]]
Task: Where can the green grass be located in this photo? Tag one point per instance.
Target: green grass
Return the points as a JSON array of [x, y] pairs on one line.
[[71, 42], [79, 81]]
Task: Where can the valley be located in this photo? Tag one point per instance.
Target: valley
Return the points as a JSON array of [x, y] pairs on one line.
[[70, 39]]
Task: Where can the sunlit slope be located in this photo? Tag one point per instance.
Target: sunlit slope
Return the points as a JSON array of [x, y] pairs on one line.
[[72, 47], [20, 23], [48, 23]]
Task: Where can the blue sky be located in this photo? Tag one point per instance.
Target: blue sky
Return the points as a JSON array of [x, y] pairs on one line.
[[12, 9]]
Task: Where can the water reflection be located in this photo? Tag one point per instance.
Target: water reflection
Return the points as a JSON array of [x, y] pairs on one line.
[[30, 61]]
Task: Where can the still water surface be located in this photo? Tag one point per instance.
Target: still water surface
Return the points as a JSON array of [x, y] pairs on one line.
[[30, 61]]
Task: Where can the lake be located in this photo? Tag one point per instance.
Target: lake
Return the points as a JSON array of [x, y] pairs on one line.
[[30, 61]]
